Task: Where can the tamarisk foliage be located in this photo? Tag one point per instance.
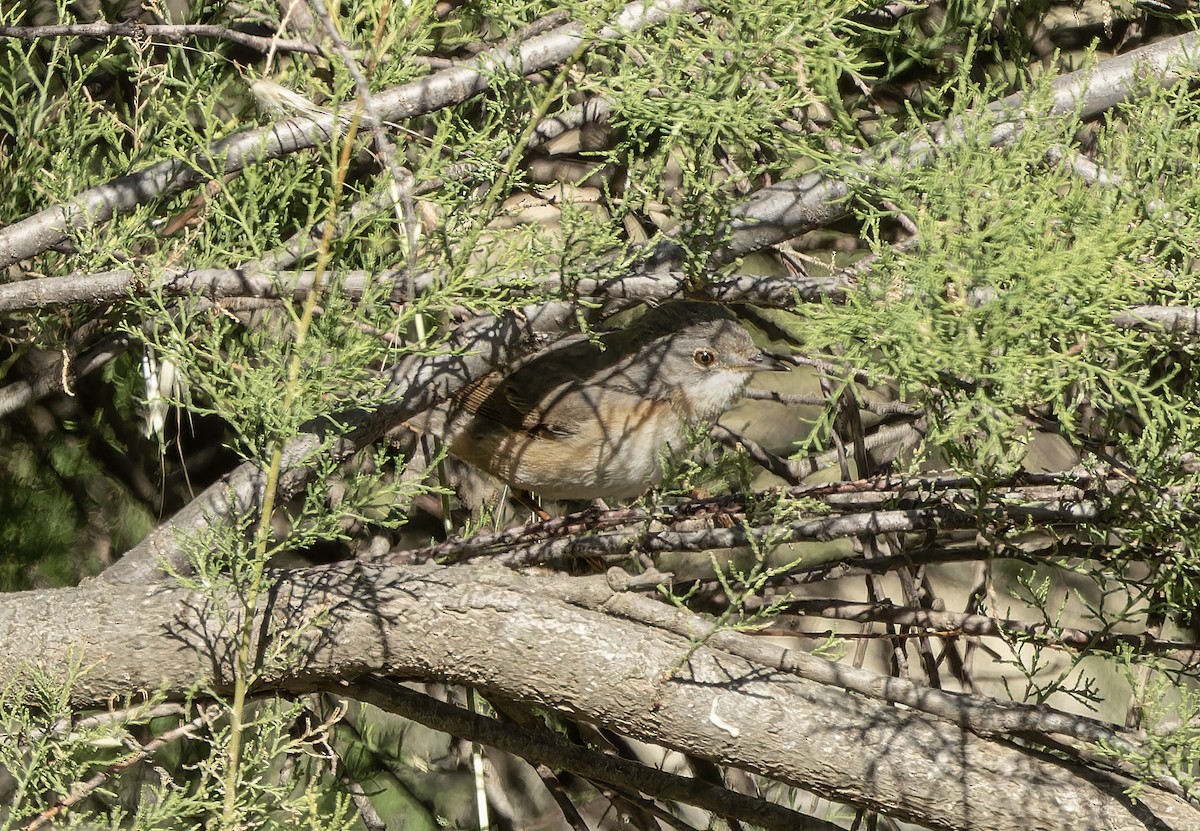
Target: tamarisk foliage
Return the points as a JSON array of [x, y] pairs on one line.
[[942, 571]]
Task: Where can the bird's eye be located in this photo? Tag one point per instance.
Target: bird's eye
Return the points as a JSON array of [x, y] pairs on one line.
[[704, 358]]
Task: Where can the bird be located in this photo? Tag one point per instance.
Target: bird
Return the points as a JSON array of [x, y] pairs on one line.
[[593, 416]]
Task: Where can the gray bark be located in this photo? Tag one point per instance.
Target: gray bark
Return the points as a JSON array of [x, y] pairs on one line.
[[513, 635]]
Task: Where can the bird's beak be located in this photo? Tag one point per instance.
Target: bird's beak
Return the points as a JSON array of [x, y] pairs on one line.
[[768, 362]]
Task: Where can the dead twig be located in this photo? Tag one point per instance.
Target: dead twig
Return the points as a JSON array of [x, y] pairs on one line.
[[175, 33]]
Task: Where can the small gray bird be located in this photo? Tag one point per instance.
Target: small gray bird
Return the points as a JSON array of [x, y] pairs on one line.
[[588, 419]]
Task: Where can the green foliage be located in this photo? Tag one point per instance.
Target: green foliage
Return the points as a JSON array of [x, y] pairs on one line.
[[62, 513], [1005, 304], [1000, 312], [1171, 712]]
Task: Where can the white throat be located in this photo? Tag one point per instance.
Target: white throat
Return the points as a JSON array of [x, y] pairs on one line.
[[711, 396]]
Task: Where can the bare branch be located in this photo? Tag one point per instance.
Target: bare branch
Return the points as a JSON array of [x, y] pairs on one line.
[[261, 280], [61, 373], [955, 623], [1174, 319], [175, 33], [50, 226], [819, 400], [843, 496]]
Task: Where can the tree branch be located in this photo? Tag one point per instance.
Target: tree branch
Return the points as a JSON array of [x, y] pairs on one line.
[[509, 633], [792, 206], [984, 626], [176, 33], [548, 748], [50, 226]]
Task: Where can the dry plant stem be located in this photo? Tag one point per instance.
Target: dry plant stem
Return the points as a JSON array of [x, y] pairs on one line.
[[566, 550], [853, 566], [794, 471], [262, 280], [81, 792], [1183, 320], [787, 470], [49, 227], [138, 714], [176, 33], [253, 585], [113, 286]]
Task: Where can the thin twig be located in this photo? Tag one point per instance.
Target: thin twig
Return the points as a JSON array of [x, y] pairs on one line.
[[956, 623], [176, 33], [843, 496]]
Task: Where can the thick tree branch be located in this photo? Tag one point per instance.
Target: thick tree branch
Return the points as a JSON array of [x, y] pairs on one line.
[[980, 715], [510, 634], [547, 748]]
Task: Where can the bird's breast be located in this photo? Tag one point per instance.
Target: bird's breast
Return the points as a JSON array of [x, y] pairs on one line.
[[614, 449]]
